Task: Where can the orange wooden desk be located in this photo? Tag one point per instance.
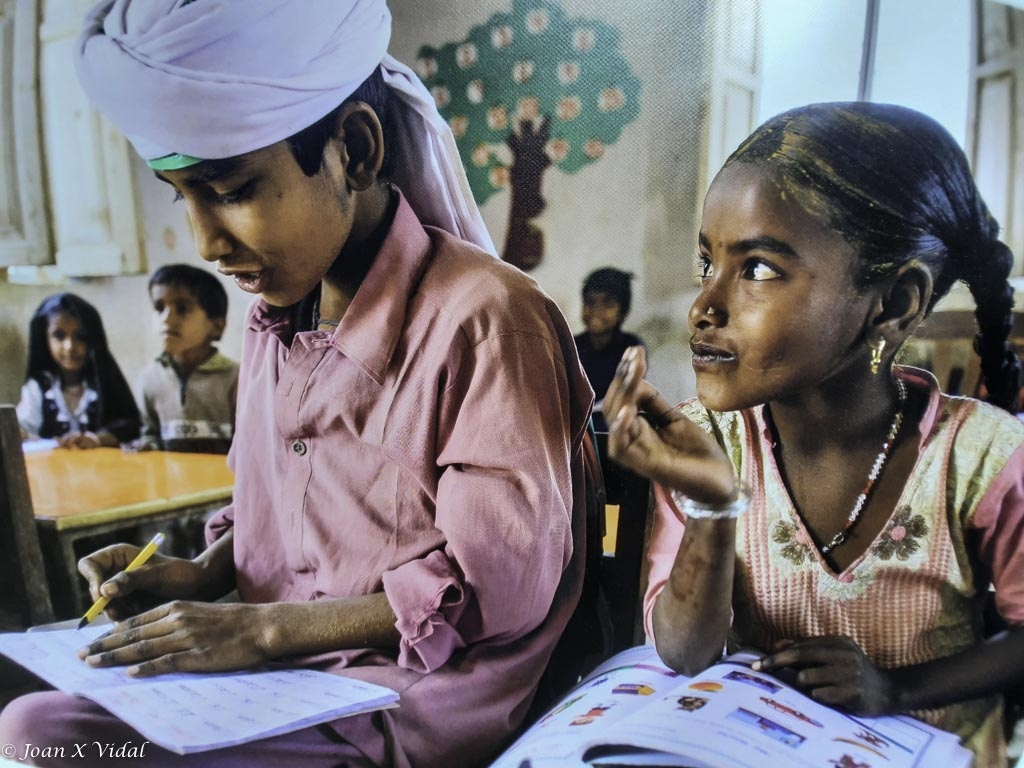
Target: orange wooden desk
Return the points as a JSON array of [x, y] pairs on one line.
[[76, 494]]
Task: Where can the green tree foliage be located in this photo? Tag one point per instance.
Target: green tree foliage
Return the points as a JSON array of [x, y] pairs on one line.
[[534, 68]]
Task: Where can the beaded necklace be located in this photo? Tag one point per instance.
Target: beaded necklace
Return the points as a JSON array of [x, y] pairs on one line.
[[876, 470]]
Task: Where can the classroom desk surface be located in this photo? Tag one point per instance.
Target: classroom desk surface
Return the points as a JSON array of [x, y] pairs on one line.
[[76, 489], [78, 495]]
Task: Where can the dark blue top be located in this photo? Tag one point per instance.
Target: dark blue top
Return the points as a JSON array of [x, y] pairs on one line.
[[600, 365]]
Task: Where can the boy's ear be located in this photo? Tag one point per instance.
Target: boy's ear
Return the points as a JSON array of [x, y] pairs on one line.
[[361, 140], [217, 328], [902, 302]]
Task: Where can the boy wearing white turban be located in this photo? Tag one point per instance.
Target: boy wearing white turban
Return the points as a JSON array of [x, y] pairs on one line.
[[409, 476]]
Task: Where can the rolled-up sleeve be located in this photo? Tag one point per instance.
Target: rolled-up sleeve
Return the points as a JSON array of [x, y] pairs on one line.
[[220, 523], [504, 503], [420, 593], [1000, 519]]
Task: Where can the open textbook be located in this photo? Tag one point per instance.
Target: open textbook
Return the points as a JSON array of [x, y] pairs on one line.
[[633, 710], [196, 712]]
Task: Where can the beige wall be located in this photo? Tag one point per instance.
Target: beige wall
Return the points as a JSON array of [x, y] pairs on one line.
[[633, 209]]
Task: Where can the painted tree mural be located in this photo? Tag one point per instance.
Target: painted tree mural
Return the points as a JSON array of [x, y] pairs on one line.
[[526, 91]]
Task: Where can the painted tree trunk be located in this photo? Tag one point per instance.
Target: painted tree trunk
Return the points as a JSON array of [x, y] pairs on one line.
[[524, 241]]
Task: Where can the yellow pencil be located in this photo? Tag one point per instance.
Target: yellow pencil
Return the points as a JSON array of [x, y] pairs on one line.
[[140, 559]]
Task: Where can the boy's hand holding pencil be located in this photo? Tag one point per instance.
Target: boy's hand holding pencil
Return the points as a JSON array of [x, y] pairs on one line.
[[139, 560], [129, 583]]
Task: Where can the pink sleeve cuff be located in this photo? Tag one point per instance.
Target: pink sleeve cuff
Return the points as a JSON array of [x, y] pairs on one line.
[[421, 593], [669, 527], [1000, 518], [221, 522]]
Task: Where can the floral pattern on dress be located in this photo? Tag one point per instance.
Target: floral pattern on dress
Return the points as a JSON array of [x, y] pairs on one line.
[[849, 585], [793, 542], [903, 535]]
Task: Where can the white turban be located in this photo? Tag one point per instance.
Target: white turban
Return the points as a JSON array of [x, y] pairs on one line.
[[218, 78]]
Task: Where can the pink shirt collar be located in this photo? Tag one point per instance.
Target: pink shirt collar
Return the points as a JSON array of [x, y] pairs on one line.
[[371, 327]]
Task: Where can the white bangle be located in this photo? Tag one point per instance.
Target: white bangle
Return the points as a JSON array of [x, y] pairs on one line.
[[695, 510]]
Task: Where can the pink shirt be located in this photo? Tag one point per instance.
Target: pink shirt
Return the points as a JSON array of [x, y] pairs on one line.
[[429, 448], [912, 596]]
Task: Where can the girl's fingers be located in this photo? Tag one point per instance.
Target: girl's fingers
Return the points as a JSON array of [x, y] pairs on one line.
[[621, 423], [636, 366], [631, 386], [615, 389], [623, 433], [660, 410], [628, 374]]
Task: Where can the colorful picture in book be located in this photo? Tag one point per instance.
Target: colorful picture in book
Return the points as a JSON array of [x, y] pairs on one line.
[[638, 689], [691, 703], [787, 710], [865, 747], [871, 738], [706, 685], [591, 715], [846, 761], [761, 682], [766, 727], [526, 91]]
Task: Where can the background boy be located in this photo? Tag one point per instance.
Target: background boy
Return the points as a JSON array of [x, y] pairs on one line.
[[607, 297], [188, 393]]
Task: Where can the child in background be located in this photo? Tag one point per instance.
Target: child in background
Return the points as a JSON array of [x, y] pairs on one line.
[[878, 510], [188, 392], [74, 390], [606, 301]]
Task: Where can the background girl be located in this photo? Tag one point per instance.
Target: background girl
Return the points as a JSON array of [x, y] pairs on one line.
[[74, 390], [878, 510]]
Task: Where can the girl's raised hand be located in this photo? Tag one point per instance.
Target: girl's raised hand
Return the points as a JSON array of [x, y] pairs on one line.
[[647, 435]]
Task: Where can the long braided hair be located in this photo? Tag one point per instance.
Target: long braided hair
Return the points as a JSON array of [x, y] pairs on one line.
[[896, 185]]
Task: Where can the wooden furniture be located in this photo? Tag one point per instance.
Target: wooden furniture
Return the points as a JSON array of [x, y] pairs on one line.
[[78, 495], [623, 571], [945, 341], [607, 617], [25, 599]]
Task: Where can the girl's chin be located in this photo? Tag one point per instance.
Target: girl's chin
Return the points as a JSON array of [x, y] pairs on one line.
[[714, 399], [714, 404]]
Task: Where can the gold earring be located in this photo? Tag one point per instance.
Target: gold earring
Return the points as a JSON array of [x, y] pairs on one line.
[[876, 355]]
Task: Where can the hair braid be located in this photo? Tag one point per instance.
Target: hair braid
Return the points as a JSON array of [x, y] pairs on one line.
[[986, 275]]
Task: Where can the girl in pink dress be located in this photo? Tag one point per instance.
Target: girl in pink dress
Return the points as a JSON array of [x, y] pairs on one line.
[[815, 500]]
